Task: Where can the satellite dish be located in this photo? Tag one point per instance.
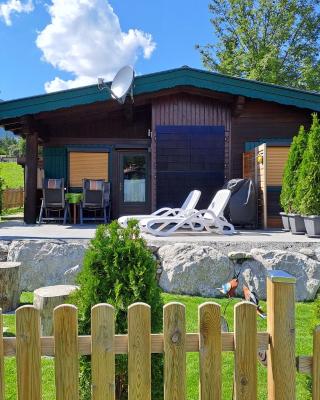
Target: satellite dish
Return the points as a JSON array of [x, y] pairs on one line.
[[121, 85]]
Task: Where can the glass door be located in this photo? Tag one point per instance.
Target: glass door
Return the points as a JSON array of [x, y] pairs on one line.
[[133, 182]]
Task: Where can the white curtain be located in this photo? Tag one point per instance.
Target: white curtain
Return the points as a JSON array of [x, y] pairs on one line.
[[134, 190]]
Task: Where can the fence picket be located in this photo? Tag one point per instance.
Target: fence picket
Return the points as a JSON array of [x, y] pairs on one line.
[[102, 359], [139, 352], [12, 198], [28, 353], [316, 364], [245, 353], [66, 352], [174, 331], [210, 351], [2, 394]]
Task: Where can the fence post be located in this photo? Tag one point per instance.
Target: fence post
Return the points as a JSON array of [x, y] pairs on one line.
[[65, 318], [174, 341], [28, 353], [245, 351], [281, 328], [210, 351], [139, 351], [102, 352]]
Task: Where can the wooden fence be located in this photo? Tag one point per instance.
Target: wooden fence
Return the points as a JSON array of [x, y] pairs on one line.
[[12, 198], [66, 346]]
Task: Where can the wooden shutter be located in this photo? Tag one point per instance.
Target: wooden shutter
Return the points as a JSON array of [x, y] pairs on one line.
[[87, 165], [277, 158]]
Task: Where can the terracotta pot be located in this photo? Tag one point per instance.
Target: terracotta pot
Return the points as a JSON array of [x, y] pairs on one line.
[[297, 226], [312, 224], [285, 222]]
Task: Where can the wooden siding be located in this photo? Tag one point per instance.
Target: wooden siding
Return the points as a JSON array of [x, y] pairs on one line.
[[87, 165], [277, 158], [184, 109], [259, 120]]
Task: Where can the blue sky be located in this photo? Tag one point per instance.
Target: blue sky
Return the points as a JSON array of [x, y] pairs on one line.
[[57, 44]]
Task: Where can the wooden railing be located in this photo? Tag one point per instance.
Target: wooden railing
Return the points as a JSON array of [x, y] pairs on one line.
[[28, 346], [12, 198]]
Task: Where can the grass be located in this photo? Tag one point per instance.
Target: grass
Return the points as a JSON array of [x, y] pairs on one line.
[[304, 314], [12, 174]]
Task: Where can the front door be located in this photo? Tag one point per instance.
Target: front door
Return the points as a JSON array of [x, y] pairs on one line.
[[133, 182]]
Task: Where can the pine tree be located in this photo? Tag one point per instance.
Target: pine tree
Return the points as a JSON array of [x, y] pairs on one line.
[[308, 189], [291, 172]]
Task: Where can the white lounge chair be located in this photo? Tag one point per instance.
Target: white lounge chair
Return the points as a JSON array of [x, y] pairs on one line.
[[190, 203], [211, 219]]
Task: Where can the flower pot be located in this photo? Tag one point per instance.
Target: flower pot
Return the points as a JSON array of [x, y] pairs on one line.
[[312, 224], [285, 222], [297, 226]]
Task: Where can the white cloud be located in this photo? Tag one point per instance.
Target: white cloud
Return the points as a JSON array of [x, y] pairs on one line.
[[85, 39], [12, 7]]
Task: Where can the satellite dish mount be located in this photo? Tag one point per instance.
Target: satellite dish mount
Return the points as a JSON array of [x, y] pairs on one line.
[[121, 85]]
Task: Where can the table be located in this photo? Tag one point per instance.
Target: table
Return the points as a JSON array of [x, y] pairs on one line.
[[75, 199]]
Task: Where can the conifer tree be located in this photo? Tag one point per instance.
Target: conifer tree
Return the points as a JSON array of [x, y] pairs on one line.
[[307, 199], [291, 171]]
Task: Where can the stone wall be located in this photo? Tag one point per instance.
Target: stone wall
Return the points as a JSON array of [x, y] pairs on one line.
[[186, 268]]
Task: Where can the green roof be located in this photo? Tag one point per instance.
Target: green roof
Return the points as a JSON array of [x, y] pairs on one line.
[[149, 83]]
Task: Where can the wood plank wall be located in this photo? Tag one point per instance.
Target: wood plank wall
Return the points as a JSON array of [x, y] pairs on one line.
[[184, 109], [261, 120]]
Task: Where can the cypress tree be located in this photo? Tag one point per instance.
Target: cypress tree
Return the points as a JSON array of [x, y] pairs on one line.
[[120, 270], [308, 189], [291, 172]]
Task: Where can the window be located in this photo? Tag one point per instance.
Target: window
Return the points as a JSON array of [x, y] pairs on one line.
[[87, 165]]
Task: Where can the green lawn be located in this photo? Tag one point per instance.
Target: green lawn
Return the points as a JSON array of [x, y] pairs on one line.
[[304, 314], [12, 174]]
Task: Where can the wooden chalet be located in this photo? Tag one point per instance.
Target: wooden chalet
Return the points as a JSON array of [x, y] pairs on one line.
[[187, 129]]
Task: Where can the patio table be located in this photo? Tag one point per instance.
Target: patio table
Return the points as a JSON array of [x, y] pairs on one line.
[[75, 199]]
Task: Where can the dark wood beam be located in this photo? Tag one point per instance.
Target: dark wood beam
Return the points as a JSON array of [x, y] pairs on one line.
[[238, 106], [30, 201]]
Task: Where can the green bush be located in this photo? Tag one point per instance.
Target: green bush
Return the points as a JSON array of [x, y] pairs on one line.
[[308, 188], [120, 270], [291, 171]]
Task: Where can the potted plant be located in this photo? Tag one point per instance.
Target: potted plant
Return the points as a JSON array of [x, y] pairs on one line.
[[289, 184], [308, 188]]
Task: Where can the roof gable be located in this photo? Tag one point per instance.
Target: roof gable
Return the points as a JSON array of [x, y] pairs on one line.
[[144, 84]]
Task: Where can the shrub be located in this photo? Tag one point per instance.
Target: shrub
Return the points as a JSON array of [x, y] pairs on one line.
[[119, 269], [291, 171], [308, 188]]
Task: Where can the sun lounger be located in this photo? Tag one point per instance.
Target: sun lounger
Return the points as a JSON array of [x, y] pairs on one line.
[[211, 219], [189, 204]]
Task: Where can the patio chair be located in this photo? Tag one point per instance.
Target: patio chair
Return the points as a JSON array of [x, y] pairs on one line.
[[96, 197], [53, 201], [211, 219], [189, 204]]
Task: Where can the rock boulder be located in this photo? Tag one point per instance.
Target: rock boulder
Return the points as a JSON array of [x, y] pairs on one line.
[[43, 262], [193, 269], [305, 269]]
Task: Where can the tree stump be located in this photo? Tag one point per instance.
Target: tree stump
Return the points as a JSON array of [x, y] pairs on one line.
[[46, 299], [9, 285]]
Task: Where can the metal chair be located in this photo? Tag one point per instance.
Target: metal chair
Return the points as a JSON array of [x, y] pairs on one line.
[[96, 197], [53, 201]]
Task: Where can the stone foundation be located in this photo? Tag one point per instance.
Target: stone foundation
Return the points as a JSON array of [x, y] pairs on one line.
[[186, 268]]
